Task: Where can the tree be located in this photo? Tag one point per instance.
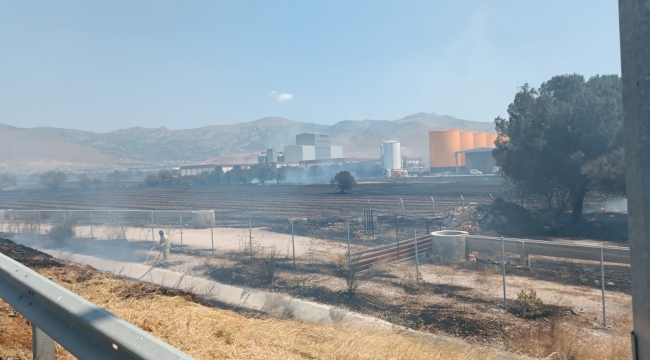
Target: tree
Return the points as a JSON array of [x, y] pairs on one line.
[[115, 176], [281, 174], [238, 175], [53, 179], [263, 173], [152, 180], [315, 172], [7, 180], [343, 181], [84, 181], [564, 140]]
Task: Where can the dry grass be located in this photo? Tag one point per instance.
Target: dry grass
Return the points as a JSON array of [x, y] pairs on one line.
[[562, 339], [211, 333]]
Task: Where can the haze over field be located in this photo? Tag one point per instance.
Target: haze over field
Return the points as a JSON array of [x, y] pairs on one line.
[[49, 147]]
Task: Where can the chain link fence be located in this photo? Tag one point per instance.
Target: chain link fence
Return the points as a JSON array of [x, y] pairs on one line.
[[380, 255]]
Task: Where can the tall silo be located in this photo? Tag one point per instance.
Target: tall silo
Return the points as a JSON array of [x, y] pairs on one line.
[[491, 138], [480, 140], [392, 155], [443, 145], [466, 143]]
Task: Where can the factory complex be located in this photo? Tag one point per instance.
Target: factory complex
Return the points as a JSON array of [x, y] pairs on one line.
[[450, 151]]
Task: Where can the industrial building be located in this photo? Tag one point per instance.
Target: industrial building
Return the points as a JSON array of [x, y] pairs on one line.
[[450, 151], [297, 153], [312, 146]]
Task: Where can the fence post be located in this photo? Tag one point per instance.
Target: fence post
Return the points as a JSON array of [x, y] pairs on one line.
[[293, 246], [38, 216], [180, 225], [396, 237], [212, 236], [153, 235], [503, 270], [417, 264], [250, 237], [433, 207], [91, 225], [349, 257], [602, 285]]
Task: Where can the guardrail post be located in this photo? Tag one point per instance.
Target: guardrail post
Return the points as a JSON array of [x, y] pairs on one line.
[[602, 286], [42, 345], [503, 270]]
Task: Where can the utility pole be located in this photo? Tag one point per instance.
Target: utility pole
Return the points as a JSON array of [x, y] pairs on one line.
[[634, 26]]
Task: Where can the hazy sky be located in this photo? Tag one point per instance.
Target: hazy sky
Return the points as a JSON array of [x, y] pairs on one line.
[[104, 65]]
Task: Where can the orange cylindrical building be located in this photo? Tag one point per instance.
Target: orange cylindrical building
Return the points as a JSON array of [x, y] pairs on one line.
[[466, 143], [443, 145], [480, 140], [491, 138]]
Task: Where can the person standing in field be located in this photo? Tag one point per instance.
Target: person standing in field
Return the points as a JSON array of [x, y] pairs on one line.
[[165, 244]]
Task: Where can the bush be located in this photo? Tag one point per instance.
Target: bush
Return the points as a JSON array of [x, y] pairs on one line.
[[350, 271], [62, 232], [532, 306], [343, 181], [267, 271]]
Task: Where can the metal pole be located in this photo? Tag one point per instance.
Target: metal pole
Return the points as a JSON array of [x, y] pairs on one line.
[[349, 257], [42, 345], [433, 207], [602, 286], [463, 199], [38, 216], [396, 238], [180, 225], [250, 236], [153, 235], [634, 25], [417, 264], [212, 236], [402, 201], [293, 245], [503, 270], [91, 225]]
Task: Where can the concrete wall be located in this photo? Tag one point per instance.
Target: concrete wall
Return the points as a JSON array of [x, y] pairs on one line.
[[297, 153]]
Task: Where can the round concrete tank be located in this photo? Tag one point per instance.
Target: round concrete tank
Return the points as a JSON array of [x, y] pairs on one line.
[[466, 143], [449, 244], [480, 140], [392, 155], [202, 219], [490, 139], [443, 145]]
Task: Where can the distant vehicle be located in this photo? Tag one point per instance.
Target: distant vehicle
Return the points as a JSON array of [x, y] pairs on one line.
[[495, 169], [475, 172]]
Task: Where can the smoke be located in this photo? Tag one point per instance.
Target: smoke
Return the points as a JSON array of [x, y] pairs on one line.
[[616, 205]]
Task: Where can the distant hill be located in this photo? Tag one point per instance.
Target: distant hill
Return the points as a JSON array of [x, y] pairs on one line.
[[26, 149], [359, 138]]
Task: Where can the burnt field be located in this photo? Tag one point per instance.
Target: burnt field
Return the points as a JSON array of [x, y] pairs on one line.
[[271, 203]]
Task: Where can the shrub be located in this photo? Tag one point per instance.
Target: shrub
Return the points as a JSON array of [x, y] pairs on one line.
[[267, 270], [532, 306], [62, 232], [348, 270]]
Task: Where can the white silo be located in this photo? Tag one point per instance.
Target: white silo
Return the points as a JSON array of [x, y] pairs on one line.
[[392, 155]]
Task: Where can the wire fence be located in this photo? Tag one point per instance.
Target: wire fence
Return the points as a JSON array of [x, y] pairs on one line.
[[390, 253]]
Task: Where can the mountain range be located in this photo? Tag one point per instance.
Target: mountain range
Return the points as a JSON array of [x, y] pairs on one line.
[[49, 147]]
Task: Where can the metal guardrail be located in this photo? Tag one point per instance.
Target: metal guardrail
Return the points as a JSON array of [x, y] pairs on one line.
[[86, 330]]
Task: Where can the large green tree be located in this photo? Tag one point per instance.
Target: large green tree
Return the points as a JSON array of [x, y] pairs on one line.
[[564, 140]]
